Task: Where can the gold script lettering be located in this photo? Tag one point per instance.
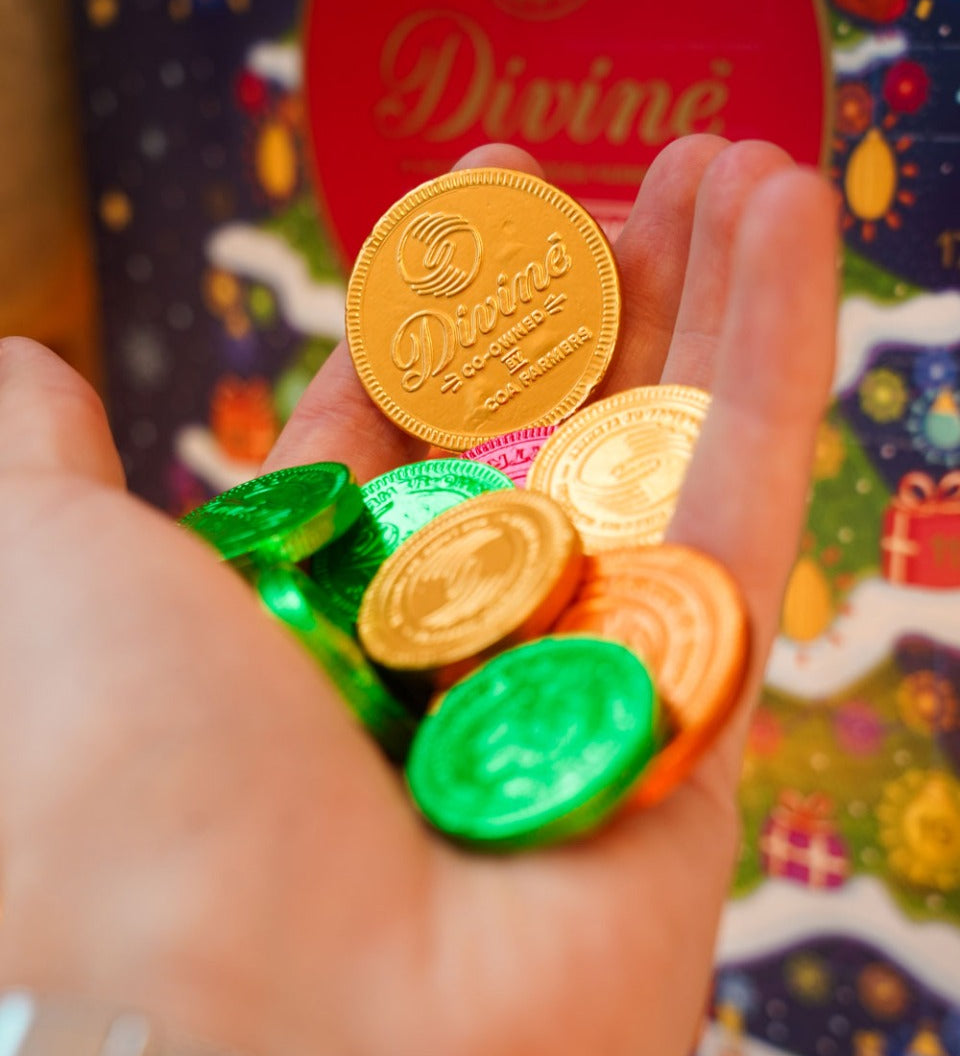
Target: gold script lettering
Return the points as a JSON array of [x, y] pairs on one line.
[[441, 80], [698, 107], [414, 97], [483, 317]]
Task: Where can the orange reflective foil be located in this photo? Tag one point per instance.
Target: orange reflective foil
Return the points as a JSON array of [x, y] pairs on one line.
[[682, 613]]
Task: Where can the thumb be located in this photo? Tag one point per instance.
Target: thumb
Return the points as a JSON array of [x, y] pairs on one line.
[[51, 420]]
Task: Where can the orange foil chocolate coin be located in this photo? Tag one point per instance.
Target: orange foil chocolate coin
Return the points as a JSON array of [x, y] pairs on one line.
[[682, 613], [616, 466], [483, 302], [492, 572]]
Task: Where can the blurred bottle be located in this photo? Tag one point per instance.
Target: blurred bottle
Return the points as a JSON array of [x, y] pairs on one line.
[[46, 264]]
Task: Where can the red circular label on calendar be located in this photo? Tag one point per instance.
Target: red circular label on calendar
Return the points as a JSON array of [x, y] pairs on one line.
[[397, 91]]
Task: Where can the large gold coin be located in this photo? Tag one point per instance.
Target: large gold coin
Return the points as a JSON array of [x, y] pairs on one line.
[[683, 615], [483, 302], [492, 572], [616, 467]]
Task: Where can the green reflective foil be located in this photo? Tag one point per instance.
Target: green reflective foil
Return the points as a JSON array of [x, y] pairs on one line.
[[396, 505], [292, 597], [282, 516], [538, 745]]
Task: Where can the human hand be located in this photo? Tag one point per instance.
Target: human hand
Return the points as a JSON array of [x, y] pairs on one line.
[[193, 824]]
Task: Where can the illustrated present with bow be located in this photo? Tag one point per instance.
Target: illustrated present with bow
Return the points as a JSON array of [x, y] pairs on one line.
[[799, 841], [920, 545], [242, 417]]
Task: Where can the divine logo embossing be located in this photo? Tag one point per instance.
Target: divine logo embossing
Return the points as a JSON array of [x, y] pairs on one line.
[[424, 343], [439, 254], [422, 347]]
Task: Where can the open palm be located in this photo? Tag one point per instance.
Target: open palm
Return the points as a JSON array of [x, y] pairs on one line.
[[192, 823]]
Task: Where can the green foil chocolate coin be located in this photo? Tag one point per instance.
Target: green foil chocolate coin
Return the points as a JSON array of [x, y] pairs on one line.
[[292, 597], [396, 505], [538, 745], [282, 516]]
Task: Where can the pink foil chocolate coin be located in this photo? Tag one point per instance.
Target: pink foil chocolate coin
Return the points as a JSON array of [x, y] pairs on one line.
[[512, 453]]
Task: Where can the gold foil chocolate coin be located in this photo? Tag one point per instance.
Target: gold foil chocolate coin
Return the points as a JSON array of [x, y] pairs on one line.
[[616, 467], [492, 572], [483, 302]]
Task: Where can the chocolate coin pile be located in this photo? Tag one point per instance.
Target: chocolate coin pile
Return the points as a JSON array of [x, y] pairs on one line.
[[508, 623]]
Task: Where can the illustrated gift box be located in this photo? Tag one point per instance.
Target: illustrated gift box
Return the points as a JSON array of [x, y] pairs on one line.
[[799, 841], [921, 532]]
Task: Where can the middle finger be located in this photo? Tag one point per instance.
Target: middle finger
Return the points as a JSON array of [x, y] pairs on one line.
[[729, 180], [652, 255]]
